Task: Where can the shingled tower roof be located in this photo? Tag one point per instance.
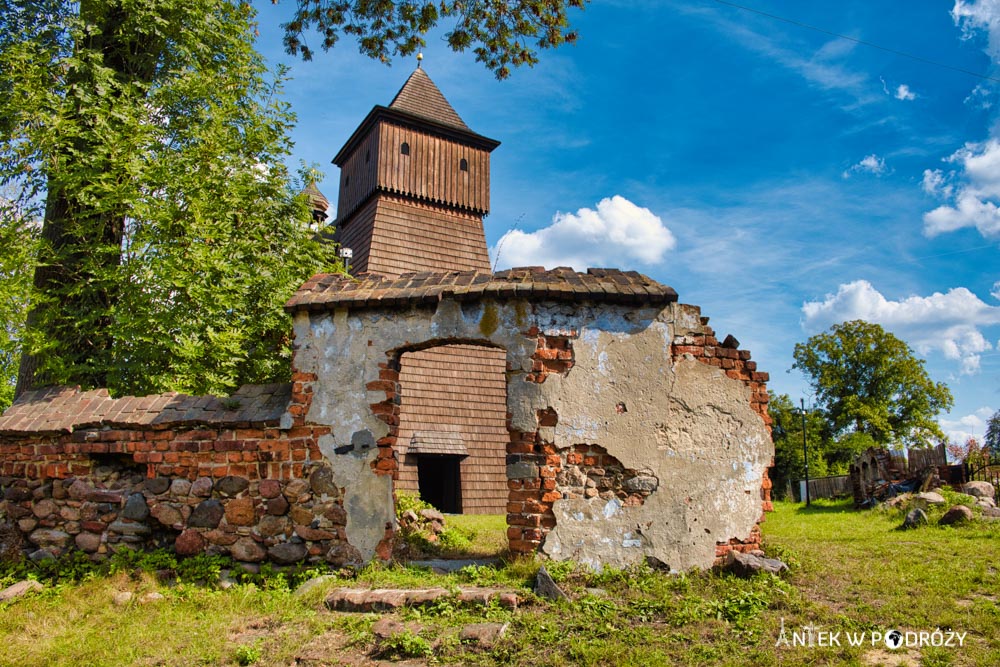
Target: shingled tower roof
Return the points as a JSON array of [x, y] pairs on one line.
[[414, 187], [316, 198], [420, 97]]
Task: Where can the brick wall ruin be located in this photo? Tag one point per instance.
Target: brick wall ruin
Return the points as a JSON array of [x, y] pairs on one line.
[[673, 446], [241, 476], [701, 344], [631, 434]]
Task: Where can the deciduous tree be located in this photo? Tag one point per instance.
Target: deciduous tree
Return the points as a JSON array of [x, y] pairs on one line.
[[18, 240], [502, 33], [828, 455], [151, 139], [786, 431], [868, 381]]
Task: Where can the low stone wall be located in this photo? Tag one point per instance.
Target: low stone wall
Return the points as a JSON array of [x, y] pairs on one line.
[[241, 476]]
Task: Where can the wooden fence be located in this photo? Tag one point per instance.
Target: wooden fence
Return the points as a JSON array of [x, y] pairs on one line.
[[920, 459], [823, 487], [913, 462]]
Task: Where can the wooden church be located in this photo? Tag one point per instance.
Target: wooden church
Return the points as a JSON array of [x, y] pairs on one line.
[[414, 189]]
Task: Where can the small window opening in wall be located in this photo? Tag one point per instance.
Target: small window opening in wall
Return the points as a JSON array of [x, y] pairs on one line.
[[121, 463], [368, 155], [404, 148], [347, 181], [464, 165]]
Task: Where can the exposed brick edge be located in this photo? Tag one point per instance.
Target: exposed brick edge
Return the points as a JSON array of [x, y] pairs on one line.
[[530, 498], [387, 411], [553, 353], [701, 343]]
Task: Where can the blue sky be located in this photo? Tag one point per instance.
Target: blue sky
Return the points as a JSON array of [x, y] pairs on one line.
[[781, 178]]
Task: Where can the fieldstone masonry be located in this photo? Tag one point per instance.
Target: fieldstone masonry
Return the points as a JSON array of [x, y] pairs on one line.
[[634, 435], [240, 476]]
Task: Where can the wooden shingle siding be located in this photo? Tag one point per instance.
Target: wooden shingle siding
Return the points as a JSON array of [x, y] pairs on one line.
[[459, 389], [432, 171], [410, 236], [358, 176], [358, 235], [418, 211]]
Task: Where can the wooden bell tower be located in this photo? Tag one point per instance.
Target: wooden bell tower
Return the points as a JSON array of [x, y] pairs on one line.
[[414, 187]]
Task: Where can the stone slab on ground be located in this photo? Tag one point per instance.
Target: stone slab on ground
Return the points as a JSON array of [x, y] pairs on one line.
[[546, 587], [747, 565], [385, 628], [485, 635], [387, 599], [19, 589]]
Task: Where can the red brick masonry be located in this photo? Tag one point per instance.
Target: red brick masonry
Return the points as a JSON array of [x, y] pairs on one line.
[[242, 476]]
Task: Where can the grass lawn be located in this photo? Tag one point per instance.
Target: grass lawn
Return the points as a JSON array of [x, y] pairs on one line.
[[853, 572]]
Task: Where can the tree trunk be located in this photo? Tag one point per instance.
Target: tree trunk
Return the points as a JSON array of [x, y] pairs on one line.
[[73, 313]]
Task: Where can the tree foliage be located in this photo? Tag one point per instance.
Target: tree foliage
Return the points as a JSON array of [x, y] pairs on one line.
[[828, 455], [971, 453], [868, 381], [502, 33], [18, 238], [151, 139], [991, 442]]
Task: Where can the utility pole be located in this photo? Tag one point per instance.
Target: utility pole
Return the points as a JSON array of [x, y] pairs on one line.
[[805, 449]]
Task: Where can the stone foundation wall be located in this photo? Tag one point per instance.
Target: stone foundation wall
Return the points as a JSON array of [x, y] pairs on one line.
[[251, 483]]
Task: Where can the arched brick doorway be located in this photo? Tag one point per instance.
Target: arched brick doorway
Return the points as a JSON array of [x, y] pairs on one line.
[[452, 437]]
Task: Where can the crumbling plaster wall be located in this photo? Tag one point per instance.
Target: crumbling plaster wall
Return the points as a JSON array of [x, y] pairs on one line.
[[682, 422]]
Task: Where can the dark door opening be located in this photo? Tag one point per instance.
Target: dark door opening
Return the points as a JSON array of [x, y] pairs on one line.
[[440, 481]]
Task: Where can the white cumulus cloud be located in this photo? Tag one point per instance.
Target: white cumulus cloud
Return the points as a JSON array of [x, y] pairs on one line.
[[960, 429], [618, 233], [951, 324], [904, 93], [995, 292], [971, 193], [870, 164], [900, 92], [978, 15]]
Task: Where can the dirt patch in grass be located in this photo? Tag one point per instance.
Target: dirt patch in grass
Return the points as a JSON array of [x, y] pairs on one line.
[[972, 599], [884, 658], [335, 648]]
